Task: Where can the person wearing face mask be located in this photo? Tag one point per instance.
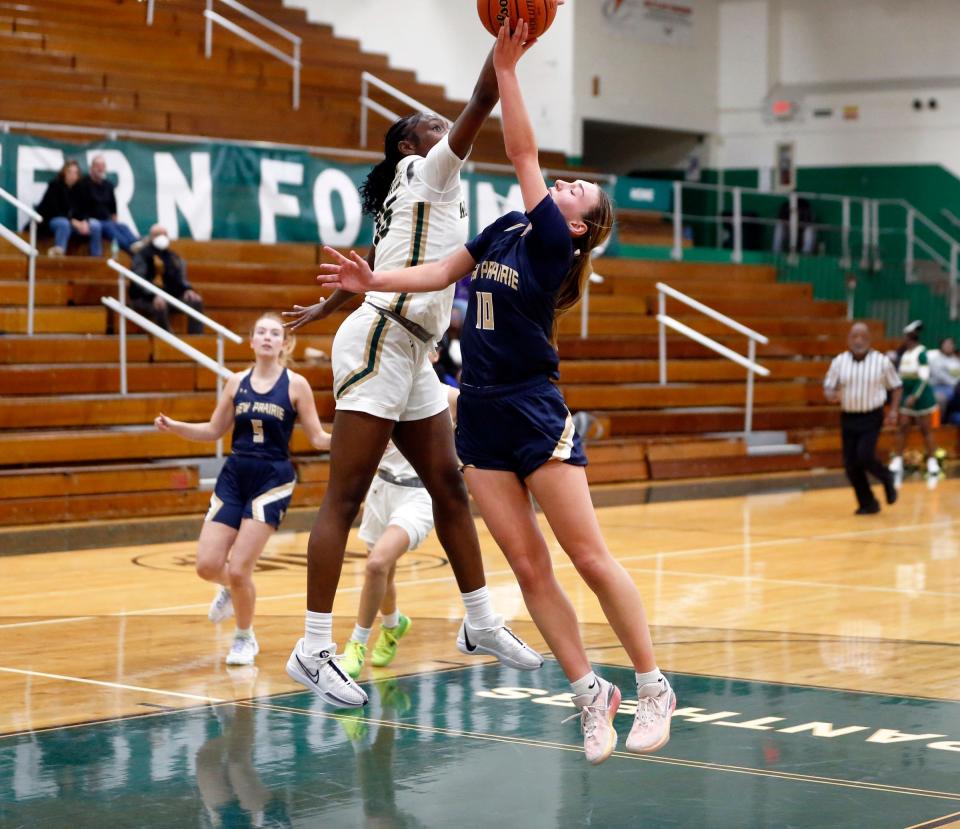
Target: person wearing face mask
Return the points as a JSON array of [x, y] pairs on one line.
[[146, 253]]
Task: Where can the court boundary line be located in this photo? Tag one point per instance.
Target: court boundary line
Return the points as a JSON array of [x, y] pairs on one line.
[[946, 820]]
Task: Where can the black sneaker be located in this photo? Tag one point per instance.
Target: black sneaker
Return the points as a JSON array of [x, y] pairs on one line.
[[872, 509]]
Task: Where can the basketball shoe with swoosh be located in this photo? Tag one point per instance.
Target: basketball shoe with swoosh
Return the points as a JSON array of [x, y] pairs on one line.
[[597, 710], [320, 673], [656, 702], [498, 641]]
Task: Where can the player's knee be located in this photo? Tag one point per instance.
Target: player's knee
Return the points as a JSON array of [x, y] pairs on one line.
[[208, 569], [593, 565], [238, 574], [378, 567]]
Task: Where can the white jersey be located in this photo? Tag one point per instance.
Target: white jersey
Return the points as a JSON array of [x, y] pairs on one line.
[[396, 464], [424, 218]]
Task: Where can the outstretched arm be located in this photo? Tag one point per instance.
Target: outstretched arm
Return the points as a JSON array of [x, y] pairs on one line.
[[219, 424], [306, 406], [519, 140], [484, 98], [302, 315], [354, 274]]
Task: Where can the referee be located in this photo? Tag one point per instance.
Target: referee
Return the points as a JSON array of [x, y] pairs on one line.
[[859, 380]]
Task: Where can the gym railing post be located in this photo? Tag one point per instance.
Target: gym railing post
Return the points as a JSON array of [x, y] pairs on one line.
[[737, 226], [662, 336], [908, 253], [794, 228], [845, 232], [865, 240], [677, 252], [31, 276], [219, 386], [748, 414], [122, 331]]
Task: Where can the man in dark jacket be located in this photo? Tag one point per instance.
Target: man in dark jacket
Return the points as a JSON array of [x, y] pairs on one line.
[[146, 252], [97, 204]]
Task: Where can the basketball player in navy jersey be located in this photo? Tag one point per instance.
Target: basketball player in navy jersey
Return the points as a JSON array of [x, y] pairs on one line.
[[254, 487], [515, 435]]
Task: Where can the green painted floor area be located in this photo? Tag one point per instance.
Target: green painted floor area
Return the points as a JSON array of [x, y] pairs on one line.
[[485, 746]]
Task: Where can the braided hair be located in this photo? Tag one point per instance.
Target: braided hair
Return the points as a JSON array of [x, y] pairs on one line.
[[373, 191]]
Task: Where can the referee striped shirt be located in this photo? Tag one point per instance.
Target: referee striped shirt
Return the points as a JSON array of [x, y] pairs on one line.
[[863, 384]]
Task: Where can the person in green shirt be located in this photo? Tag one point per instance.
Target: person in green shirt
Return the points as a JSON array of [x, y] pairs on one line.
[[918, 401]]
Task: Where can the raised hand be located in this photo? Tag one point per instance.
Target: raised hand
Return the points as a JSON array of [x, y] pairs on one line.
[[350, 274], [162, 422], [511, 45], [302, 316]]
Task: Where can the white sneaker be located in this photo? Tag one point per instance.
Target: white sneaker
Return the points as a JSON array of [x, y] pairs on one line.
[[243, 650], [221, 607], [651, 724], [320, 673], [498, 641], [896, 468], [596, 714]]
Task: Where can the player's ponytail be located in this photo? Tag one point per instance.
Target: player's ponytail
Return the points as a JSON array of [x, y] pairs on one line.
[[289, 339], [599, 222], [373, 191]]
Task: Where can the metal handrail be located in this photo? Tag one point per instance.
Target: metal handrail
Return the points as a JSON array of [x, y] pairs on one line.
[[753, 337], [28, 249], [120, 306], [293, 61]]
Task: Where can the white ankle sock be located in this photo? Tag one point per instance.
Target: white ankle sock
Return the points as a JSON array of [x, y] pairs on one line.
[[318, 631], [243, 633], [390, 620], [651, 677], [361, 635], [588, 684], [480, 613]]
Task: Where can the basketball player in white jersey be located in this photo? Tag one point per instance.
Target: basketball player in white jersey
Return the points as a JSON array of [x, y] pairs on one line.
[[385, 386]]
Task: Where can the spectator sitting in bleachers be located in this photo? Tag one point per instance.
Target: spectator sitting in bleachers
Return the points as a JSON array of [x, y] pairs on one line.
[[59, 215], [944, 371], [97, 204], [156, 246]]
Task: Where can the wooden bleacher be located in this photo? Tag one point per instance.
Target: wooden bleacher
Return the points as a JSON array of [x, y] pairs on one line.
[[71, 447], [97, 63]]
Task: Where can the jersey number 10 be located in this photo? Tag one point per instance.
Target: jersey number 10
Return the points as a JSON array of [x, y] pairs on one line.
[[485, 310]]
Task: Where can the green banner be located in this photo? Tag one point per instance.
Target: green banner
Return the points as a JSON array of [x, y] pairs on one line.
[[223, 191]]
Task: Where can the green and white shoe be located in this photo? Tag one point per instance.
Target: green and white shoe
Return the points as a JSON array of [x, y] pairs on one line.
[[385, 648], [353, 657]]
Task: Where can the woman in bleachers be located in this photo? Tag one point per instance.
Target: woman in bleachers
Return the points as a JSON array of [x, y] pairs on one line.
[[57, 207]]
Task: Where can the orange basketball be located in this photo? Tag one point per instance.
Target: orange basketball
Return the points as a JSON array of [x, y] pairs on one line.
[[539, 14]]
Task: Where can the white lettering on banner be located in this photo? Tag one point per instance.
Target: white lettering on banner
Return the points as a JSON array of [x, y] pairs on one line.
[[272, 202], [174, 191], [490, 205], [882, 736], [118, 165], [29, 190], [336, 181], [642, 194]]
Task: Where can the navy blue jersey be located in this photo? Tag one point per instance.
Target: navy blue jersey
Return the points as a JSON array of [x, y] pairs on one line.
[[263, 423], [521, 262]]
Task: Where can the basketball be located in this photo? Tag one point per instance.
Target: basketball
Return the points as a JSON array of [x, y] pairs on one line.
[[539, 14]]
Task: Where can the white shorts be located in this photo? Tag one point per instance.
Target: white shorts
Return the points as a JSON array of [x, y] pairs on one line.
[[409, 508], [380, 369]]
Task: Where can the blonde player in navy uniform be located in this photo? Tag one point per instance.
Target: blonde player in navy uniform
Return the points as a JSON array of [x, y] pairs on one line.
[[515, 435], [386, 387], [254, 487]]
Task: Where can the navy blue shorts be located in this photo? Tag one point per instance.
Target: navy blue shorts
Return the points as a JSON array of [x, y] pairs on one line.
[[252, 488], [516, 428]]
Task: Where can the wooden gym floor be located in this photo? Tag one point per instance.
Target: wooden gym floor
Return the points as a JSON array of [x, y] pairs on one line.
[[816, 657]]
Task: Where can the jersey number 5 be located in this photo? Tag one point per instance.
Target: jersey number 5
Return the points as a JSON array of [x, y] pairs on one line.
[[257, 430], [485, 310]]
